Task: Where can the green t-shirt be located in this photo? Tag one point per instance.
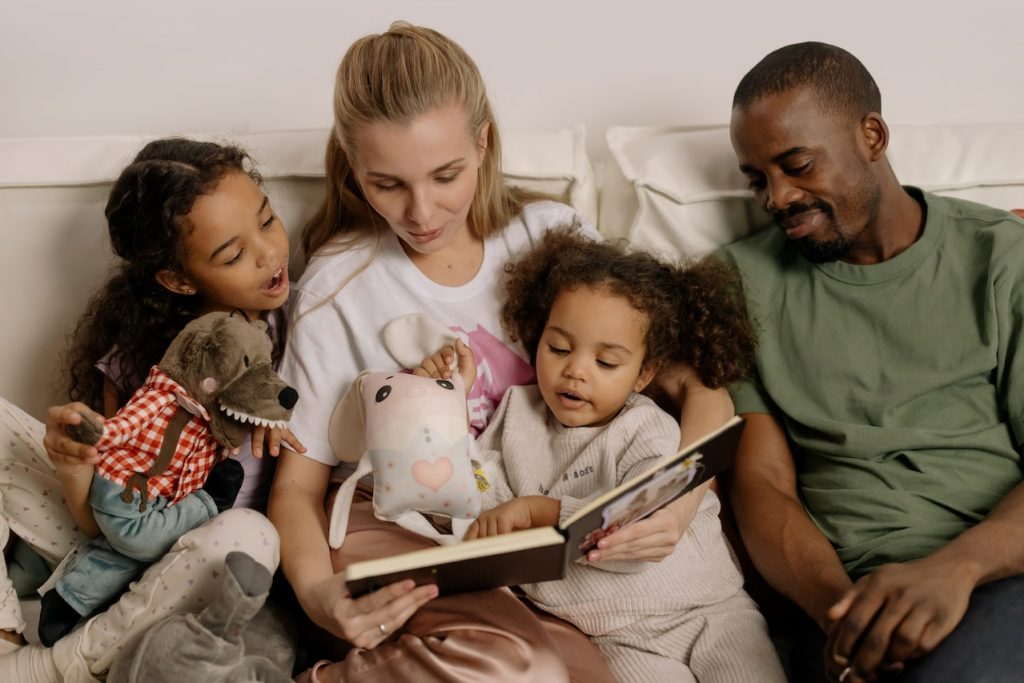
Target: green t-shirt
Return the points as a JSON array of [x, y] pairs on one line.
[[900, 384]]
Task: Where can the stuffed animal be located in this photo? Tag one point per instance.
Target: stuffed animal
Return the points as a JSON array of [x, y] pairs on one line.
[[209, 646], [412, 433], [163, 470]]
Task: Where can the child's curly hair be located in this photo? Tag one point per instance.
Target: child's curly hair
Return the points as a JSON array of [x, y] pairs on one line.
[[696, 313]]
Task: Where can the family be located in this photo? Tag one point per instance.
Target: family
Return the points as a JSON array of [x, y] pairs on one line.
[[868, 338]]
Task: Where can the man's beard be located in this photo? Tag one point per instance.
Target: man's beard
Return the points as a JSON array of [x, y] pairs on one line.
[[818, 251]]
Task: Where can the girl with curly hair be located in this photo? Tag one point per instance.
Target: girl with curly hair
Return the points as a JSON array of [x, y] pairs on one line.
[[599, 323], [195, 233]]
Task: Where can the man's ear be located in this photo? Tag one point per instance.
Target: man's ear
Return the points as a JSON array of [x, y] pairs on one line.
[[647, 373], [875, 135], [176, 282]]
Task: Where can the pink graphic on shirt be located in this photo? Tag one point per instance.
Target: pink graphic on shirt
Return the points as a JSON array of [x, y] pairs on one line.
[[497, 368]]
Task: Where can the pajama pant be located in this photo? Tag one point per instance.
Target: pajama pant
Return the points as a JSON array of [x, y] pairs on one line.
[[186, 579], [484, 636], [726, 642]]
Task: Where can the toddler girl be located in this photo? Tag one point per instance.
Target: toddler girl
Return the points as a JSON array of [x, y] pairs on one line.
[[599, 323]]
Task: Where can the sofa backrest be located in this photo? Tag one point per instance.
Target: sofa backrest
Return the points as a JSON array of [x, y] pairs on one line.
[[52, 196]]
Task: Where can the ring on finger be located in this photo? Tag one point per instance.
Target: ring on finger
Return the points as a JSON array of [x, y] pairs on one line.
[[845, 673]]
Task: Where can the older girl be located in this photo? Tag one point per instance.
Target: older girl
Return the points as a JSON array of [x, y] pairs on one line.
[[195, 233]]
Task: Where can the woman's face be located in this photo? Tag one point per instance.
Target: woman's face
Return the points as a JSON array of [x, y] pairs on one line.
[[421, 177]]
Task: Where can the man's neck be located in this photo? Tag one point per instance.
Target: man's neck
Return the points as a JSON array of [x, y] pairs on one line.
[[899, 223]]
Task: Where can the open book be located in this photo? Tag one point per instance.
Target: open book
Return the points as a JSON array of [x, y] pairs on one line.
[[543, 553]]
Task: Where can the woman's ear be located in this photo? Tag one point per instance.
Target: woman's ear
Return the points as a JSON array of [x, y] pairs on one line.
[[176, 282], [481, 140], [647, 373]]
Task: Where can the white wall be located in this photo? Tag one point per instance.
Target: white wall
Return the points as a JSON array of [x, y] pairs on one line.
[[69, 67]]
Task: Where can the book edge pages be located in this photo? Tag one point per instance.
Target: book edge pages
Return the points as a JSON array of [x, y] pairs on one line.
[[448, 554]]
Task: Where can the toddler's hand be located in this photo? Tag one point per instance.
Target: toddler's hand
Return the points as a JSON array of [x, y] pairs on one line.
[[509, 516], [273, 438], [439, 366]]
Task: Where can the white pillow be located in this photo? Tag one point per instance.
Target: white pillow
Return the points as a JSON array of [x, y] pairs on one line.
[[679, 191]]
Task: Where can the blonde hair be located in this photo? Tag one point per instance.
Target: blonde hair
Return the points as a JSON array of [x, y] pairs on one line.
[[395, 77]]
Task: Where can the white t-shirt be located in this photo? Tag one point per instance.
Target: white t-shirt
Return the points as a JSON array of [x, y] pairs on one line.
[[335, 334]]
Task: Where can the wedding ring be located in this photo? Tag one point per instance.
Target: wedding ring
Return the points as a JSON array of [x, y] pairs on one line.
[[845, 673], [384, 632]]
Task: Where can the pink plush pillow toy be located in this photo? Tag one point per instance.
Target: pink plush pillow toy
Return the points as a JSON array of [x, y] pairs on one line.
[[412, 433]]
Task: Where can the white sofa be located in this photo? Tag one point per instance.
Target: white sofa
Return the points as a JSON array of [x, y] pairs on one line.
[[673, 190]]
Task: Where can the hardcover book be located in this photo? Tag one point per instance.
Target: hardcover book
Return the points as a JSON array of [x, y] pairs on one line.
[[543, 553]]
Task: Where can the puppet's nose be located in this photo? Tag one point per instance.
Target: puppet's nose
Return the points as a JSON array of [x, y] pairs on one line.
[[287, 398]]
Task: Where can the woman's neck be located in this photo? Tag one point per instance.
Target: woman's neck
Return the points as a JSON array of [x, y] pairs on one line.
[[454, 265]]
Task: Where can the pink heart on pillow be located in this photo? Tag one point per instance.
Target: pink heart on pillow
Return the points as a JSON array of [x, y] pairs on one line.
[[432, 475]]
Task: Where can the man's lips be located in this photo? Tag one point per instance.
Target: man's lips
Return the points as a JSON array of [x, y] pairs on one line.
[[803, 224]]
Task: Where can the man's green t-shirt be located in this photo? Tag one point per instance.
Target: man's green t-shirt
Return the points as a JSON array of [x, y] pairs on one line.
[[900, 384]]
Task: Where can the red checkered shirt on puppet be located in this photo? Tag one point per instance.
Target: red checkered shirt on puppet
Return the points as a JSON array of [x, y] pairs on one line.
[[134, 435]]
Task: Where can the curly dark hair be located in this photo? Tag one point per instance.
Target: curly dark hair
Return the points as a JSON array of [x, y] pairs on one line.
[[696, 313], [147, 216]]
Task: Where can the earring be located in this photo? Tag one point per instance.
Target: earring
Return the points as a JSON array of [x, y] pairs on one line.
[[190, 291]]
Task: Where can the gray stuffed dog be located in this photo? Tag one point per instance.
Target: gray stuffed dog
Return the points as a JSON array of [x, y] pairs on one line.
[[209, 646]]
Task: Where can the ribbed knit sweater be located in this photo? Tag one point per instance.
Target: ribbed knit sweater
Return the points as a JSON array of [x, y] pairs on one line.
[[527, 452]]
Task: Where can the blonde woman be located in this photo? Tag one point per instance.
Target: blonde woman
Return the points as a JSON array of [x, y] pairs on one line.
[[416, 220]]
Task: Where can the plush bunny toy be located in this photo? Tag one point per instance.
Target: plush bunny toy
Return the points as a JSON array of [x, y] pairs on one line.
[[412, 433]]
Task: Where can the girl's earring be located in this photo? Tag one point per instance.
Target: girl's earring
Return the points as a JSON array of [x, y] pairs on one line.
[[190, 291]]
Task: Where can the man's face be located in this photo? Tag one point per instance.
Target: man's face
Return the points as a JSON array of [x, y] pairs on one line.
[[811, 170]]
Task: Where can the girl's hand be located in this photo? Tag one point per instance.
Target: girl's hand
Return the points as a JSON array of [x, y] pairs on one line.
[[649, 540], [359, 621], [273, 438], [66, 453], [439, 366]]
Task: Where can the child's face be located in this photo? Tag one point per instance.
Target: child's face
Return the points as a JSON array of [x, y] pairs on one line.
[[591, 356], [236, 248], [421, 177]]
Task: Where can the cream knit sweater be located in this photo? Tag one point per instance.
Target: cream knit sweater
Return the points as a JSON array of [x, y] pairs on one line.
[[527, 452]]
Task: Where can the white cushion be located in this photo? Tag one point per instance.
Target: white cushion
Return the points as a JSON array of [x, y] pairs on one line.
[[52, 195], [679, 191]]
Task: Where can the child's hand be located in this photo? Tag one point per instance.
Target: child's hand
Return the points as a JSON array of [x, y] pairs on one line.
[[64, 451], [525, 512], [273, 438], [439, 366]]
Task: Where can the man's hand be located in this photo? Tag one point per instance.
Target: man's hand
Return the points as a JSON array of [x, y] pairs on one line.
[[525, 512], [897, 613]]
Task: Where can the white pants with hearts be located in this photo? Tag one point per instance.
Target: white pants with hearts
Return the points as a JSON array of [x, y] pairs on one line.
[[185, 580]]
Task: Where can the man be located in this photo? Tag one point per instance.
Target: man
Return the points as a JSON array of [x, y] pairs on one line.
[[878, 483]]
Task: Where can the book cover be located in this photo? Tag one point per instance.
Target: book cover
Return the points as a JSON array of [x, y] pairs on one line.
[[542, 554]]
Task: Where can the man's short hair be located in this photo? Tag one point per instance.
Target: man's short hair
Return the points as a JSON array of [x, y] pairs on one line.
[[843, 85]]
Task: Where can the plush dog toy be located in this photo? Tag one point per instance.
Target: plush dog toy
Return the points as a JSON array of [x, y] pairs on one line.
[[163, 470], [412, 433]]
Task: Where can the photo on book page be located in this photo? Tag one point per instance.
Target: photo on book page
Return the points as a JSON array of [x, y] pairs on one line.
[[657, 493]]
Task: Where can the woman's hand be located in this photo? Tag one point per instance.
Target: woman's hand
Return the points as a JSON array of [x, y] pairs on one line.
[[439, 366], [273, 438], [368, 620], [65, 453]]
